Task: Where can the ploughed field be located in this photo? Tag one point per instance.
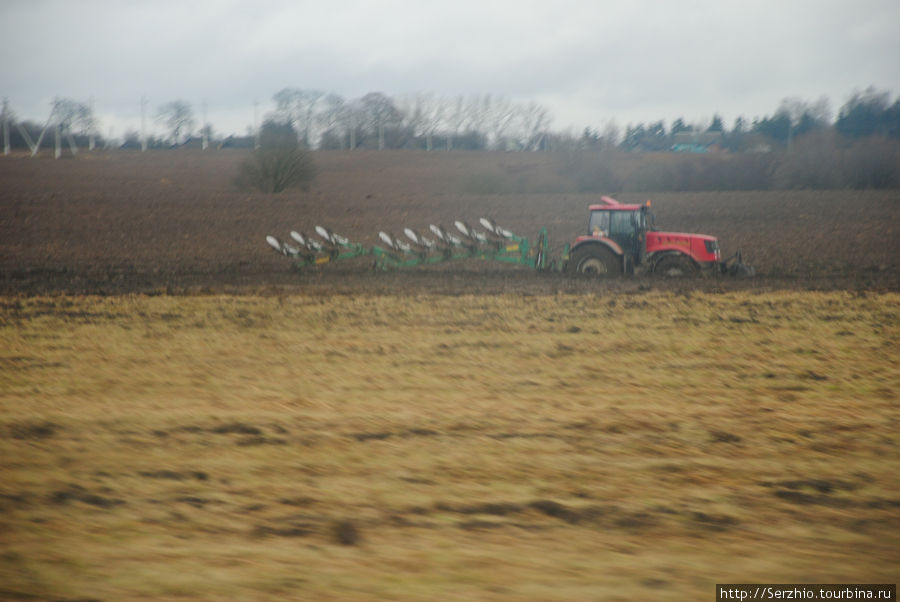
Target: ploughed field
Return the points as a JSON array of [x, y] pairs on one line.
[[171, 220]]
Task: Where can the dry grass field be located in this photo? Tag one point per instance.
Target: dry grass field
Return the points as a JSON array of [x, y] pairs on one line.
[[598, 446]]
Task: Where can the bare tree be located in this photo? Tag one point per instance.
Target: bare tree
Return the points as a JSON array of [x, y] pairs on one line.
[[610, 136], [412, 114], [456, 118], [298, 107], [532, 121], [497, 116], [432, 112], [331, 118], [65, 116], [379, 112], [479, 113], [73, 117], [421, 116], [6, 118], [352, 115], [178, 117]]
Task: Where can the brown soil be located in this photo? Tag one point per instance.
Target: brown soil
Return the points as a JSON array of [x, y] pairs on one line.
[[171, 221]]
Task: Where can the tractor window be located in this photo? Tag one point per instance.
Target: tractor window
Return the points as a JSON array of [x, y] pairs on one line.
[[599, 223], [646, 218], [622, 223]]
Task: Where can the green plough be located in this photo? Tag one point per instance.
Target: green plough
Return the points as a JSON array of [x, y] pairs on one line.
[[496, 244]]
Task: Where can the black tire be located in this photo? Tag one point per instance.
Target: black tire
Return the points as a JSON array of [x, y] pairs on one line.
[[595, 261], [676, 266]]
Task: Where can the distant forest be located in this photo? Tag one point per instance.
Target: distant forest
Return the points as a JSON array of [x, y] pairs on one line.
[[800, 145]]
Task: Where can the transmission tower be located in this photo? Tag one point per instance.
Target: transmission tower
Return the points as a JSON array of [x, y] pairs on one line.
[[205, 141], [255, 124], [5, 126], [143, 123]]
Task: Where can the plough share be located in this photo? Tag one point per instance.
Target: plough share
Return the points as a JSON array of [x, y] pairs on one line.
[[495, 244]]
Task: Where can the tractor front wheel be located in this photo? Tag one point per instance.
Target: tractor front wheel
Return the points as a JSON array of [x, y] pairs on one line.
[[595, 261], [676, 266]]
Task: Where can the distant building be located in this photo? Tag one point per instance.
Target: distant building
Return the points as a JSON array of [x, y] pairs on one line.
[[697, 142]]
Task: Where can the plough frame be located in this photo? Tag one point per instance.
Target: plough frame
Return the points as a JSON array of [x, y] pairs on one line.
[[498, 244]]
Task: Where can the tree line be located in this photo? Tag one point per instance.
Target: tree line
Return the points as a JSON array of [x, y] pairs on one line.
[[425, 121], [324, 120]]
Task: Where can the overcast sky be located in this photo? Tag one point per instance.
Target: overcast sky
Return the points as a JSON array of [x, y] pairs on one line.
[[587, 61]]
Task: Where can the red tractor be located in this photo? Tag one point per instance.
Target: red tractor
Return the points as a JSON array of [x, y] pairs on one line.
[[621, 238]]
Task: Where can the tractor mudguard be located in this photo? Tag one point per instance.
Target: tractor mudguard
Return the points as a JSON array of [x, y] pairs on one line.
[[582, 241]]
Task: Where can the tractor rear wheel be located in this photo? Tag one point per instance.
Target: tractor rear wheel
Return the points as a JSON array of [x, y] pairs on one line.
[[676, 266], [595, 261]]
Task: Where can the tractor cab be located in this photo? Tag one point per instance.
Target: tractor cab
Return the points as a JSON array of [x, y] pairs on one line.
[[624, 224], [621, 228]]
